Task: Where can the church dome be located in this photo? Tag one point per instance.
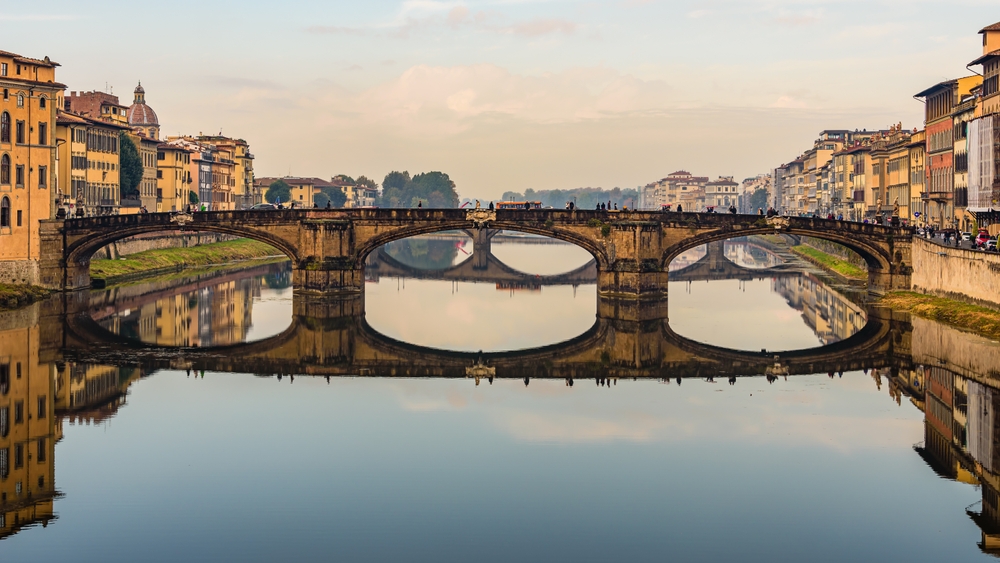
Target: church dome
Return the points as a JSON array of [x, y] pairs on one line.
[[139, 114]]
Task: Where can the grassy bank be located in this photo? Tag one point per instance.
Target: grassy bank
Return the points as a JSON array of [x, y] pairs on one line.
[[830, 262], [14, 296], [980, 320], [167, 258]]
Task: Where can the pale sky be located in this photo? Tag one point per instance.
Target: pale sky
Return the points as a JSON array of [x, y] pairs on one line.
[[511, 94]]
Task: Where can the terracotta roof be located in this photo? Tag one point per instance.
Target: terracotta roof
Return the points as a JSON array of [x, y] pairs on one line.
[[40, 62], [994, 27], [168, 146], [935, 87], [66, 118], [983, 58]]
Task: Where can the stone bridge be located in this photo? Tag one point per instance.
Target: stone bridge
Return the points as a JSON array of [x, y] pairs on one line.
[[332, 338], [328, 248]]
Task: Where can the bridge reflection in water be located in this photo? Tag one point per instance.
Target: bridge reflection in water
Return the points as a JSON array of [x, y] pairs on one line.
[[69, 366]]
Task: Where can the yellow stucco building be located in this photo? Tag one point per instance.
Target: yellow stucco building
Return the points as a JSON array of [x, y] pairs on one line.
[[173, 176], [30, 96], [88, 165]]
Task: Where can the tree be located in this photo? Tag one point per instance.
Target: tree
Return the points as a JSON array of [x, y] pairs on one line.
[[335, 196], [344, 178], [193, 198], [397, 180], [278, 189], [130, 166], [321, 200], [758, 200]]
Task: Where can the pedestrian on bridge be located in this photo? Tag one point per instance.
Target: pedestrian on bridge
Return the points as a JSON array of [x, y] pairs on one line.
[[680, 208]]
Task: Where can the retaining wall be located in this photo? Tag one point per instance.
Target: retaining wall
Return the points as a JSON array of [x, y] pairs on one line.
[[966, 275], [158, 241]]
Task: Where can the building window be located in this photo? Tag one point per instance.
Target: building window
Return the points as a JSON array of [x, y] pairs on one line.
[[4, 468], [5, 217], [43, 176], [19, 412], [3, 69], [43, 133], [18, 461], [41, 103], [5, 169], [19, 175], [20, 100], [18, 217], [19, 133], [4, 127], [40, 450]]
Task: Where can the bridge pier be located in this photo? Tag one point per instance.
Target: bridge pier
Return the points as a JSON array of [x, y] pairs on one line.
[[328, 280]]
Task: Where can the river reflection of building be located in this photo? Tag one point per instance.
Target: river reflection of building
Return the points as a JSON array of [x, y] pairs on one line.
[[35, 399], [215, 315], [831, 315], [961, 435]]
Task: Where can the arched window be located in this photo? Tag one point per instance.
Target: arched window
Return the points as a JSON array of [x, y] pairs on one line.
[[4, 127], [4, 169], [20, 100], [5, 212], [41, 102]]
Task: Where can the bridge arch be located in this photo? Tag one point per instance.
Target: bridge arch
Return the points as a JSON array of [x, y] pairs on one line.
[[875, 256], [370, 245], [79, 252]]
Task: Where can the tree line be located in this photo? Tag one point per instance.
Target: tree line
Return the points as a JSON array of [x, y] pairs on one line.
[[427, 189]]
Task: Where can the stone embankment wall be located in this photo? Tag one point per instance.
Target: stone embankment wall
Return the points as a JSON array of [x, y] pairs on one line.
[[19, 272], [966, 275], [158, 241]]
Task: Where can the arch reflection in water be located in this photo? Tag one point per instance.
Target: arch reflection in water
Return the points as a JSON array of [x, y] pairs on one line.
[[480, 303], [213, 308], [781, 306]]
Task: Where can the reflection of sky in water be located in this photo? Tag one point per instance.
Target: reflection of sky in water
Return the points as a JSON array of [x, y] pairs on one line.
[[741, 315], [271, 313], [541, 259], [252, 469], [478, 316]]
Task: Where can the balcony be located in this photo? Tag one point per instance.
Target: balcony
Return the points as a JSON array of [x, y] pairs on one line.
[[859, 196]]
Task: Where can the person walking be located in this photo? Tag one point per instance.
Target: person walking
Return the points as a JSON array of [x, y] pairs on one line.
[[680, 208], [491, 205]]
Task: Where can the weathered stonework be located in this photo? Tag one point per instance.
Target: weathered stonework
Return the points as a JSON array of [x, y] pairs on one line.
[[19, 272], [328, 248]]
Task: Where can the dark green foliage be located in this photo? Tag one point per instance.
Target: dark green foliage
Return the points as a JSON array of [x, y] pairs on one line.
[[335, 196], [431, 189], [345, 179], [130, 166], [758, 200], [278, 189], [193, 198]]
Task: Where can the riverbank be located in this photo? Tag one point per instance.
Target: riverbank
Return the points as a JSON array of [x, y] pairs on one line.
[[830, 263], [973, 318], [15, 296], [167, 260]]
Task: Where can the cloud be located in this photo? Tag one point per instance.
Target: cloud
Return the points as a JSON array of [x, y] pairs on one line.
[[538, 27]]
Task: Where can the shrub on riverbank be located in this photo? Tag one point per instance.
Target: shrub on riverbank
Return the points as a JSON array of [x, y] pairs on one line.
[[14, 296], [202, 255], [974, 318]]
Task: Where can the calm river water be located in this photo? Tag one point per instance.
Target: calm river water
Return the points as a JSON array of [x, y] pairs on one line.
[[150, 425]]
